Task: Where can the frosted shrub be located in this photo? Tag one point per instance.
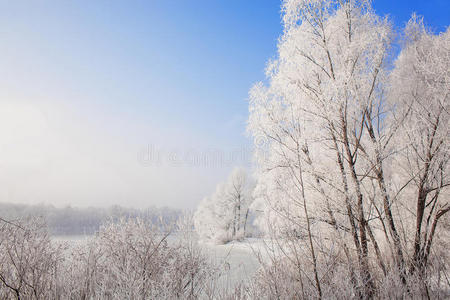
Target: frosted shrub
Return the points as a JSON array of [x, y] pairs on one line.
[[28, 260], [130, 259], [134, 260]]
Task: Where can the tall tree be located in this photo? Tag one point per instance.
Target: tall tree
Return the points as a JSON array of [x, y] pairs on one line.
[[318, 115], [421, 91]]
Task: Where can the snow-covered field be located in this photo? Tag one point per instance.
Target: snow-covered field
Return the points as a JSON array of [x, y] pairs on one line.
[[237, 259]]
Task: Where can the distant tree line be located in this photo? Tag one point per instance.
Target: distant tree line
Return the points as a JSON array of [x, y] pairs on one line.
[[78, 221]]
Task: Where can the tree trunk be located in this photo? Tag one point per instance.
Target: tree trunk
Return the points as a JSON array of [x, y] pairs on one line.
[[362, 222], [245, 222]]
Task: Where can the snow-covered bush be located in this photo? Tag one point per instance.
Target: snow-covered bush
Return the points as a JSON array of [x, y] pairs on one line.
[[132, 259], [28, 260], [129, 259]]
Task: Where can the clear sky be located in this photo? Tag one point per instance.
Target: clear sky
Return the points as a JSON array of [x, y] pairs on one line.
[[135, 103]]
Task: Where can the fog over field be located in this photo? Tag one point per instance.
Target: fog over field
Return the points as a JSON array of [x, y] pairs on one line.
[[275, 149]]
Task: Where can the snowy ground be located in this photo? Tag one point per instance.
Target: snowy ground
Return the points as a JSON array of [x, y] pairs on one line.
[[236, 258]]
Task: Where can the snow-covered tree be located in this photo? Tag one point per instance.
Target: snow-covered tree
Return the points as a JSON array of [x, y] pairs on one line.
[[223, 216], [325, 89], [334, 125], [420, 90]]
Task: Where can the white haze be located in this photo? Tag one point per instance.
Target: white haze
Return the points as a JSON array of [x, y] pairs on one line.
[[81, 154]]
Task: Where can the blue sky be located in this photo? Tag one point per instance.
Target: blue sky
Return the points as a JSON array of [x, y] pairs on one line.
[[86, 87]]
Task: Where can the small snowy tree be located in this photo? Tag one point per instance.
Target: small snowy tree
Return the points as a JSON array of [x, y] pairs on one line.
[[224, 215]]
